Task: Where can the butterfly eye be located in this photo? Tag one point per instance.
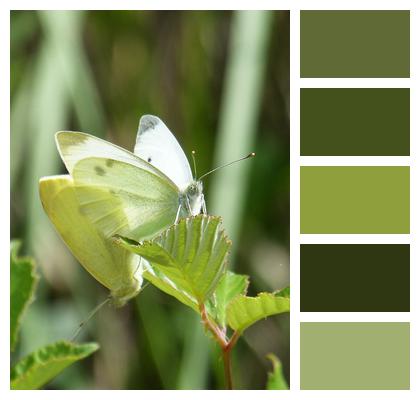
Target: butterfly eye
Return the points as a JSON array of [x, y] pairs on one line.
[[192, 190]]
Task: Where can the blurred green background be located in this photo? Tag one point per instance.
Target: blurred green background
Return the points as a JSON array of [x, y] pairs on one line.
[[220, 81]]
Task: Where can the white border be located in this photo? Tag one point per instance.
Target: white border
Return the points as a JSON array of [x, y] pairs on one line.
[[294, 5], [296, 82], [355, 160], [294, 199]]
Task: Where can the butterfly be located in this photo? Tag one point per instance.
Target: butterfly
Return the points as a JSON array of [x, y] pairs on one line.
[[112, 191], [135, 194]]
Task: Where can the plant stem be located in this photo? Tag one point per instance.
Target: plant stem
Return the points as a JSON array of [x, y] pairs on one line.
[[225, 345], [227, 361], [214, 329], [228, 367]]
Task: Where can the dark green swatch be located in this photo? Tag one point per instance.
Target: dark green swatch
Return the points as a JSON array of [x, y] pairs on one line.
[[355, 355], [364, 44], [355, 200], [355, 277], [355, 122]]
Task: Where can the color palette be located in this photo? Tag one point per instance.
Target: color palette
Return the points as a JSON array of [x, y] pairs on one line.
[[355, 43], [351, 132], [355, 122], [355, 277], [355, 199], [355, 355]]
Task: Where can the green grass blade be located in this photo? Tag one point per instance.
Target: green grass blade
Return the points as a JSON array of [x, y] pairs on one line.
[[23, 281], [192, 372], [64, 30], [38, 368], [239, 114]]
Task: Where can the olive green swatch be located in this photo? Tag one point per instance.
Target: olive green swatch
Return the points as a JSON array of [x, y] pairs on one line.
[[355, 200], [355, 122], [351, 43], [355, 278], [355, 355]]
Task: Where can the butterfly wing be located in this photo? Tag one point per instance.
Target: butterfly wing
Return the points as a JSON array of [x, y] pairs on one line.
[[75, 146], [157, 145], [120, 198], [115, 268]]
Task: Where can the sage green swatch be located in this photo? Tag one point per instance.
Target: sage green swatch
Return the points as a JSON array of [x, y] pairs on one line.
[[355, 355], [355, 200], [355, 122], [355, 43]]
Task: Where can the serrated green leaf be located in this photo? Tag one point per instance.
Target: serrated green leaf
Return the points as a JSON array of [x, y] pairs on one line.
[[230, 286], [190, 255], [163, 283], [38, 368], [23, 281], [276, 380], [244, 311]]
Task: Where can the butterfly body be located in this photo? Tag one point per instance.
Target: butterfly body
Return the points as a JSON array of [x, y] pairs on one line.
[[192, 199]]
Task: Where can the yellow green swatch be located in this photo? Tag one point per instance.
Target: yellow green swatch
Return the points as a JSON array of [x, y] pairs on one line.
[[355, 200]]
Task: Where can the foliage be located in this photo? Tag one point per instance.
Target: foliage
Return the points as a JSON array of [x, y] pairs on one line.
[[276, 380], [23, 281], [188, 262], [39, 367], [243, 311], [191, 255], [230, 286]]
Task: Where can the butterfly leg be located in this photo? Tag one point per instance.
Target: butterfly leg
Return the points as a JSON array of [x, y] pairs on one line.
[[203, 205], [177, 213], [189, 206]]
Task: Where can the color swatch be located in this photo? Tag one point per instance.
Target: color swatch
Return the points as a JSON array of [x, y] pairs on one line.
[[355, 200], [355, 355], [355, 277], [353, 43], [355, 122]]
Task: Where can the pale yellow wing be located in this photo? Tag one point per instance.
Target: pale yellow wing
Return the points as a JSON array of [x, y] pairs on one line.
[[116, 269]]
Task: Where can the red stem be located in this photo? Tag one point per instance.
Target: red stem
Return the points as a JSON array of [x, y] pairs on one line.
[[225, 345]]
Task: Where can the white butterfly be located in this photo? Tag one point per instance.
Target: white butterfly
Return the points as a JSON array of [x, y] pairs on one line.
[[135, 194]]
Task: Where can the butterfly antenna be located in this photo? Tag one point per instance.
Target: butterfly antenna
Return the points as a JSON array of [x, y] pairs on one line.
[[89, 317], [250, 155], [194, 163]]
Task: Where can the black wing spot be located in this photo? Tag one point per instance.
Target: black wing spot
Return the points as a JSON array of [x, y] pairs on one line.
[[148, 122], [99, 170], [109, 163], [149, 159]]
